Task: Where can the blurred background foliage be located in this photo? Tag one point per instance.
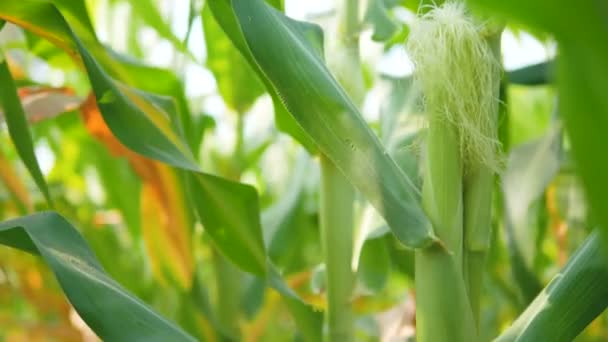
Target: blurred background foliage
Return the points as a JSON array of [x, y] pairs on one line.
[[132, 210]]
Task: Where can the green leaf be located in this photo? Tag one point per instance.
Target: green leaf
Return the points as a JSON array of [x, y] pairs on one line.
[[580, 29], [108, 309], [398, 130], [147, 10], [309, 321], [527, 282], [285, 225], [77, 16], [572, 300], [584, 107], [229, 212], [162, 82], [237, 82], [369, 226], [18, 127], [241, 216], [136, 122], [224, 15], [124, 69], [278, 4], [536, 74], [530, 169], [374, 265], [377, 15], [145, 123], [283, 51], [402, 259]]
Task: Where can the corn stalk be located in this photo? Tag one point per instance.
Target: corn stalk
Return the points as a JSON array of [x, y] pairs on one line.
[[336, 237], [337, 194]]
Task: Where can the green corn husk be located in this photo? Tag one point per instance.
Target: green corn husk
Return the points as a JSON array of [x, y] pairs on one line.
[[443, 312], [459, 76]]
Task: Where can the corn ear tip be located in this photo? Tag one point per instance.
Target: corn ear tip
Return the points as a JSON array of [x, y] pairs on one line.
[[455, 64]]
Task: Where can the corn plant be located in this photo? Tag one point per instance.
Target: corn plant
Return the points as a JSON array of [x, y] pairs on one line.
[[470, 208]]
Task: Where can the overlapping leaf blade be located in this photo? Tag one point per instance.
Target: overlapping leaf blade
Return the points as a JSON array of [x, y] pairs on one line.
[[570, 302], [237, 82], [530, 169], [224, 15], [581, 69], [309, 321], [283, 50], [285, 225], [225, 206], [147, 132], [211, 196], [139, 120], [130, 107], [110, 311], [18, 127], [162, 82]]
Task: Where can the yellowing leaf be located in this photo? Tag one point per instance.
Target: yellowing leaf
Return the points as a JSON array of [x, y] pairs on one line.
[[9, 177], [164, 248], [166, 222]]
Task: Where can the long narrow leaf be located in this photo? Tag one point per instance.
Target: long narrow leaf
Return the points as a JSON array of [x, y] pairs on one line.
[[309, 321], [574, 298], [581, 68], [530, 169], [108, 309], [145, 124], [224, 15], [18, 127], [288, 52], [229, 67], [139, 124], [231, 207], [228, 206]]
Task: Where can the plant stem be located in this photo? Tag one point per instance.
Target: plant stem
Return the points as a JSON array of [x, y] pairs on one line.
[[349, 24], [239, 148], [228, 278], [478, 186], [344, 58], [443, 312], [337, 194], [337, 240], [228, 275]]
